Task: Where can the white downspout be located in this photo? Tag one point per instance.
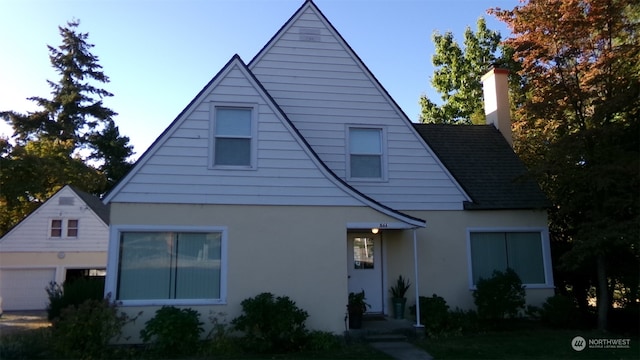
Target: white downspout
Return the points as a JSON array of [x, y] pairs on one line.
[[415, 269]]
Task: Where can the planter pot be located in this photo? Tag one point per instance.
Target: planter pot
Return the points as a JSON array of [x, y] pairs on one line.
[[355, 318], [399, 305]]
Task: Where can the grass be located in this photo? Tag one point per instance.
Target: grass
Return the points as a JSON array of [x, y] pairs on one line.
[[527, 343]]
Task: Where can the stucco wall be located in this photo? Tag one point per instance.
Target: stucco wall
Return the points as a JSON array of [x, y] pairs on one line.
[[442, 252], [295, 251], [71, 260]]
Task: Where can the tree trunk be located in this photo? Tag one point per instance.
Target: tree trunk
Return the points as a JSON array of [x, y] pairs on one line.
[[603, 298]]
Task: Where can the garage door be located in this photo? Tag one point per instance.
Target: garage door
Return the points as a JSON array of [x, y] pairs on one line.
[[24, 289]]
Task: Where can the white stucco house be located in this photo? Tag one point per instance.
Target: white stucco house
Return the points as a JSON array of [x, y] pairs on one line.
[[65, 237], [297, 173]]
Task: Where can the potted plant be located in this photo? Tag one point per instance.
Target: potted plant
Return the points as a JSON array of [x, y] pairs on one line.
[[398, 298], [356, 307]]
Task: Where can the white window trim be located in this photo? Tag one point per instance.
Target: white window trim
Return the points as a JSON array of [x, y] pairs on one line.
[[111, 280], [64, 228], [384, 164], [253, 164], [546, 253]]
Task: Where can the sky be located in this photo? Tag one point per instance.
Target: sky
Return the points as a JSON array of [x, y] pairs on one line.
[[158, 54]]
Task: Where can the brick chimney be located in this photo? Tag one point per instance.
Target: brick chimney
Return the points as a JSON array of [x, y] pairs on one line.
[[495, 84]]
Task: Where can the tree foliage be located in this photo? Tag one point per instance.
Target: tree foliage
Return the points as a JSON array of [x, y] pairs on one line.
[[70, 139], [458, 72], [578, 128]]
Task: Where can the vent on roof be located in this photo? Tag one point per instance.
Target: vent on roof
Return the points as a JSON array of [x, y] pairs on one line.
[[310, 34], [65, 200]]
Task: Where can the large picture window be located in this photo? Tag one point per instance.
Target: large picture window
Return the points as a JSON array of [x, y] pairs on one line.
[[520, 251], [365, 153], [232, 136], [170, 265]]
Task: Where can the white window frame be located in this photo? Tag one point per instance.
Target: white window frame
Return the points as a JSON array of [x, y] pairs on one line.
[[64, 228], [546, 253], [383, 156], [254, 135], [51, 228], [111, 281], [77, 228]]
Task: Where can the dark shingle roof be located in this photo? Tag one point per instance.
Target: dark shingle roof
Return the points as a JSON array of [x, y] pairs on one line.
[[485, 165], [98, 207]]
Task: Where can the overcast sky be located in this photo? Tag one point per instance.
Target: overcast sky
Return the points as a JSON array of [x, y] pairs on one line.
[[159, 54]]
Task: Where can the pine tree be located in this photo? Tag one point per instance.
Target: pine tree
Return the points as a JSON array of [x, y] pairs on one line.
[[49, 143]]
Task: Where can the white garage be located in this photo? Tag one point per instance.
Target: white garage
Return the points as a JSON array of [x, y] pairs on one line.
[[24, 289], [66, 237]]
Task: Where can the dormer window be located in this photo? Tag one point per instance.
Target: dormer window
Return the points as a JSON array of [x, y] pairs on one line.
[[366, 154], [233, 137]]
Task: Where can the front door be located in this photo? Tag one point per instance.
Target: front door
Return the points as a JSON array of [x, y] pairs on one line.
[[365, 268]]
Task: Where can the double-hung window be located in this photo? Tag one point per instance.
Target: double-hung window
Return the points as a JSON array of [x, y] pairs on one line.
[[522, 251], [56, 228], [233, 136], [169, 267], [366, 153]]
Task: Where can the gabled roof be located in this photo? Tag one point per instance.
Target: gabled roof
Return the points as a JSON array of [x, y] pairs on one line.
[[236, 62], [94, 203], [485, 165]]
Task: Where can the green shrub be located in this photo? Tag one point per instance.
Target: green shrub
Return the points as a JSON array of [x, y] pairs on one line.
[[220, 342], [560, 311], [73, 293], [271, 323], [173, 331], [85, 331], [32, 344], [499, 297], [439, 321]]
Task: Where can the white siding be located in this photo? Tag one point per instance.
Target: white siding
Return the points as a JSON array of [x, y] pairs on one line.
[[176, 169], [322, 88], [32, 234]]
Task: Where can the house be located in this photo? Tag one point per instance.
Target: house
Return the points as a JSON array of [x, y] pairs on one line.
[[66, 237], [298, 174]]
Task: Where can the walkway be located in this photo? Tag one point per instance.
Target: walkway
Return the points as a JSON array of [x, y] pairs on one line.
[[391, 337]]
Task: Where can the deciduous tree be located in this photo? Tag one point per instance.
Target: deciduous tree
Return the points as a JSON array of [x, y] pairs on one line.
[[457, 75], [578, 127]]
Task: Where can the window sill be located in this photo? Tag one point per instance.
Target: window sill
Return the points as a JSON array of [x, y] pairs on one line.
[[172, 302]]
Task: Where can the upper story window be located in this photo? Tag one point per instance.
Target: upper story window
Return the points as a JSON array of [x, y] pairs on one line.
[[233, 136], [68, 227], [56, 228], [72, 228], [366, 153]]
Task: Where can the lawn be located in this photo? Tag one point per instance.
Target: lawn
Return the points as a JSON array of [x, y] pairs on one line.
[[533, 343]]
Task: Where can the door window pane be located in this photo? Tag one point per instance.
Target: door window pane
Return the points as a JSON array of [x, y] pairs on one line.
[[363, 253]]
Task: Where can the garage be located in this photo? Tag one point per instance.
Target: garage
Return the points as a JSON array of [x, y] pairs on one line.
[[24, 289]]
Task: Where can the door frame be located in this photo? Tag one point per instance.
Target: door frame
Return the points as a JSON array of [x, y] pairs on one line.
[[382, 260]]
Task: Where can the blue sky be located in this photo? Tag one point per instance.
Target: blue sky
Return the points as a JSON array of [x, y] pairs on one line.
[[159, 54]]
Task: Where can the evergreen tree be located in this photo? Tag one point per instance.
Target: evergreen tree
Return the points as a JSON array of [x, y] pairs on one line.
[[48, 152]]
